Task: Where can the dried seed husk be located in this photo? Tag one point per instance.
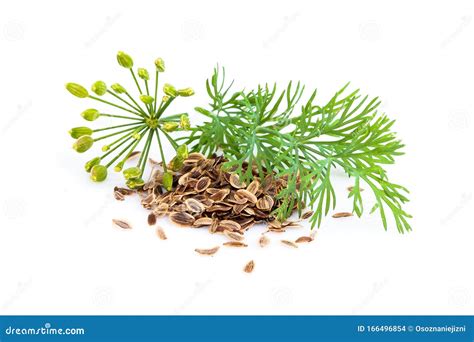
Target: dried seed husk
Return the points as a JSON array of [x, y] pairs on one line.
[[124, 191], [161, 209], [213, 226], [237, 208], [265, 203], [307, 215], [274, 224], [230, 225], [151, 219], [219, 195], [304, 239], [235, 244], [161, 233], [247, 194], [182, 218], [119, 196], [202, 184], [263, 241], [203, 221], [234, 236], [195, 156], [249, 266], [121, 224], [218, 207], [234, 180], [209, 251], [253, 187], [289, 243], [194, 205], [342, 214], [133, 155]]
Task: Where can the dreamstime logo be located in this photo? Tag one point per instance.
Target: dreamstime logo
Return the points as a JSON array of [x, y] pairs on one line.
[[282, 297], [14, 208], [458, 120], [376, 288], [13, 31], [102, 297], [192, 30], [287, 21], [22, 109], [21, 288], [460, 297], [465, 199], [465, 21], [109, 21], [369, 31]]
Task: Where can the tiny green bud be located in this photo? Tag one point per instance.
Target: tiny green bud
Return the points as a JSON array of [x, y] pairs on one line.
[[105, 148], [147, 99], [186, 92], [99, 87], [168, 181], [182, 151], [132, 172], [143, 74], [118, 88], [169, 90], [135, 183], [119, 166], [83, 143], [160, 64], [77, 90], [176, 163], [78, 132], [91, 163], [90, 114], [124, 60], [170, 126], [98, 173], [184, 122], [165, 98], [136, 135]]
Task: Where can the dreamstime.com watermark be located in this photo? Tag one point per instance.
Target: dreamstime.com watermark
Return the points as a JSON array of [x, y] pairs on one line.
[[47, 329]]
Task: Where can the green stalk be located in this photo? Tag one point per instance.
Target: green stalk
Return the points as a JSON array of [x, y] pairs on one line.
[[145, 158], [170, 139], [133, 100], [161, 150], [119, 155], [114, 105], [163, 108], [136, 81], [112, 134], [124, 136], [132, 149], [121, 117], [125, 101], [156, 91], [147, 143], [113, 127]]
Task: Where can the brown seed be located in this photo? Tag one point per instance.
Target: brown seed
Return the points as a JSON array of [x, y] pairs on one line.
[[274, 224], [121, 224], [234, 180], [307, 215], [230, 225], [237, 208], [161, 233], [304, 239], [265, 203], [194, 205], [217, 207], [342, 214], [289, 243], [253, 187], [182, 218], [196, 156], [235, 244], [210, 251], [151, 219], [249, 266], [247, 194], [202, 221], [202, 184], [119, 196], [263, 241], [350, 188], [234, 236], [219, 195], [133, 155]]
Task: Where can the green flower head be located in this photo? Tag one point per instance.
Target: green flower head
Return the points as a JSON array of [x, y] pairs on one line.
[[169, 90], [182, 151], [118, 88], [143, 74], [83, 143], [124, 60], [98, 173], [90, 114], [99, 87], [186, 92], [147, 99], [160, 64], [78, 132], [132, 173], [184, 122], [77, 90], [91, 163], [176, 163]]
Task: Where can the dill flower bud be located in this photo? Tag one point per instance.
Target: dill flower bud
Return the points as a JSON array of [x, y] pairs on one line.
[[186, 92], [90, 114], [160, 64], [170, 126], [105, 148], [77, 90], [99, 87], [118, 88], [124, 60], [119, 166], [132, 172], [147, 99], [91, 163], [182, 151], [176, 163], [143, 74], [165, 98], [83, 143], [184, 122], [78, 132], [168, 181], [135, 183], [169, 90], [98, 173]]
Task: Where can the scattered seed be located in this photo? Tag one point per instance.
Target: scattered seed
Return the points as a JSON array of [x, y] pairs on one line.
[[247, 194], [265, 203], [235, 244], [253, 187], [304, 239], [202, 184], [202, 221], [194, 205], [230, 225], [151, 219], [289, 243], [249, 266], [234, 236], [263, 241], [307, 215], [133, 155], [161, 233], [182, 218], [210, 251], [343, 214], [122, 224], [234, 180]]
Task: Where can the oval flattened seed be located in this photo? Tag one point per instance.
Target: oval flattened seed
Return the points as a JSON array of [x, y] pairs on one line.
[[265, 203], [194, 205], [304, 239], [249, 266], [234, 236], [207, 251], [248, 195], [182, 218], [161, 233], [230, 225], [219, 195], [307, 215], [263, 241], [203, 221], [343, 214], [151, 219], [234, 180], [253, 187], [121, 224], [202, 184], [289, 243], [235, 244]]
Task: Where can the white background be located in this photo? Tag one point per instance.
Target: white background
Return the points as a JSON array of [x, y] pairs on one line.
[[59, 253]]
